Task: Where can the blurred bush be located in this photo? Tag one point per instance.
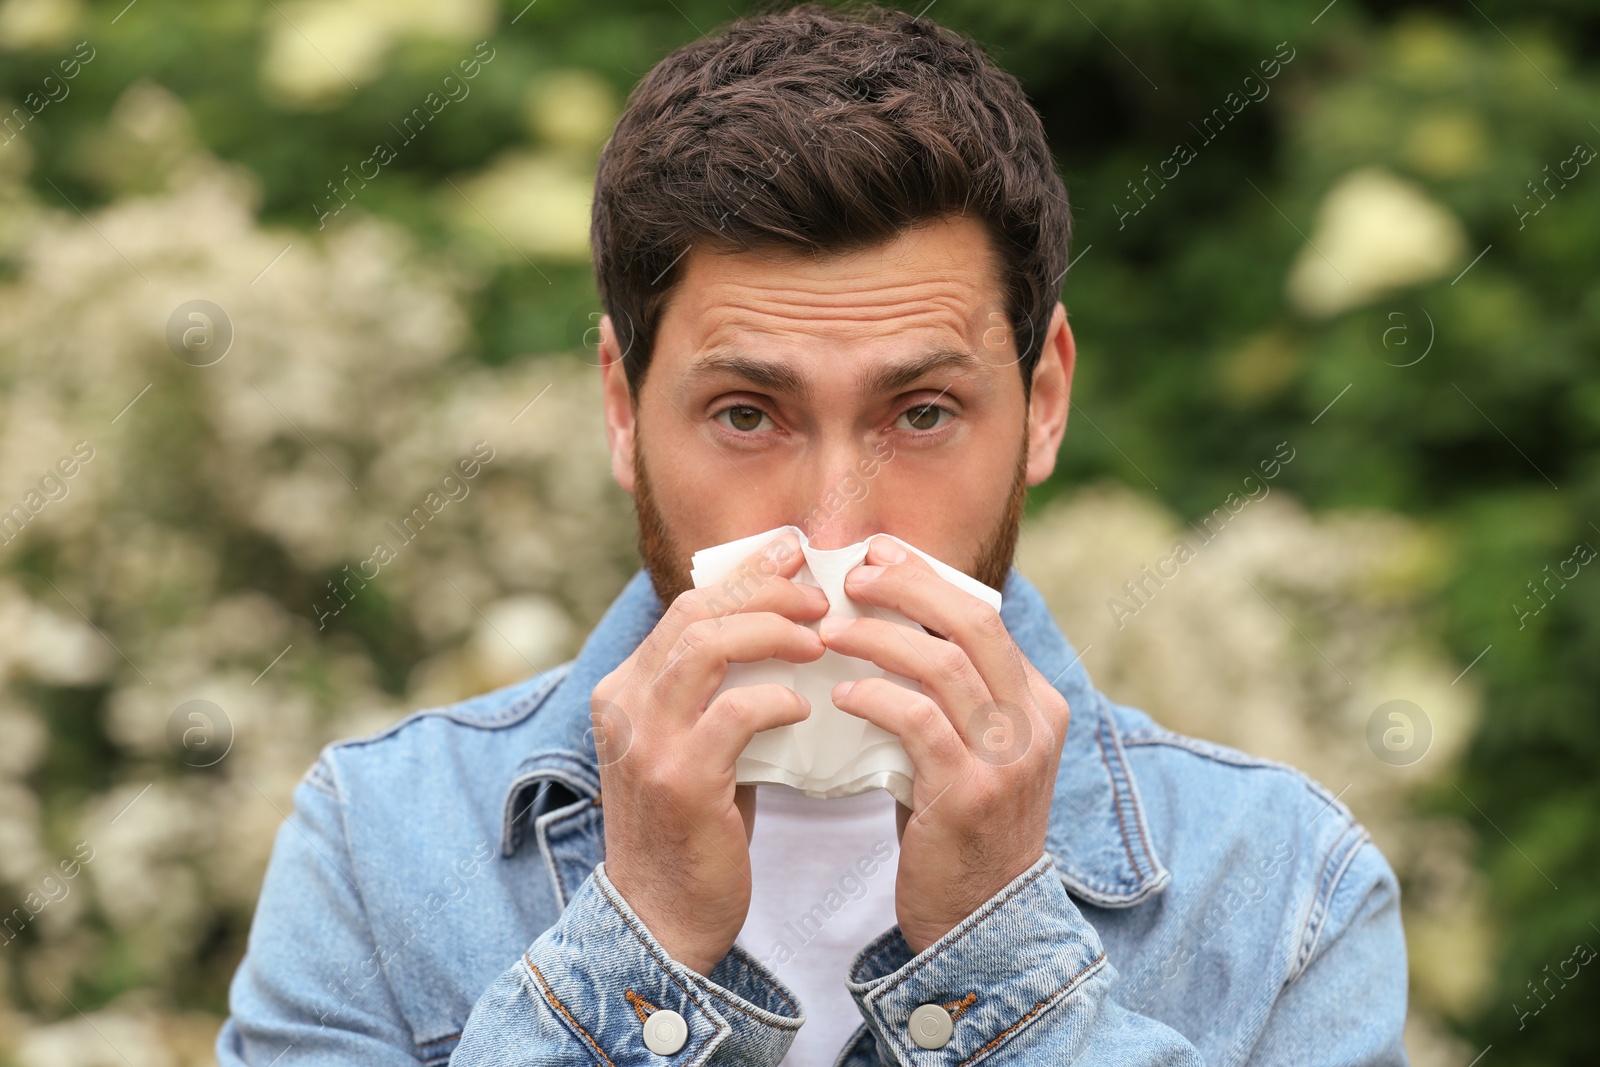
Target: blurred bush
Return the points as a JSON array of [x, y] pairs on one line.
[[1383, 252]]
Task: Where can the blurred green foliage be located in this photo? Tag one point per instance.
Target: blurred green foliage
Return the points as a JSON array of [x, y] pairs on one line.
[[1194, 360]]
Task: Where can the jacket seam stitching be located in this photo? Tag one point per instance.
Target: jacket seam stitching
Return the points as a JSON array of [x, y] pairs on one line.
[[1105, 890], [1210, 750], [1116, 798], [440, 1040], [1330, 879], [1216, 753], [1317, 909], [1231, 758], [1132, 785], [555, 1002], [1037, 1008], [518, 709]]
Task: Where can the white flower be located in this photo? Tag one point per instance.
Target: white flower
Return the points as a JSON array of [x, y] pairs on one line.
[[1374, 233], [103, 1039], [539, 202]]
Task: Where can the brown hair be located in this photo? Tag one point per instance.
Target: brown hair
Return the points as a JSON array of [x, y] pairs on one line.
[[815, 130]]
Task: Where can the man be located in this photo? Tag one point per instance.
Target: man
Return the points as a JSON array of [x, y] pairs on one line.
[[829, 247]]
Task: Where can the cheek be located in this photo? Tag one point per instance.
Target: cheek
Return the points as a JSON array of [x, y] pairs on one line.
[[946, 507], [678, 457], [702, 495], [970, 477]]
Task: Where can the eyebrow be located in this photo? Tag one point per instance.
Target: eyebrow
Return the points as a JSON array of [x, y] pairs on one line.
[[782, 378]]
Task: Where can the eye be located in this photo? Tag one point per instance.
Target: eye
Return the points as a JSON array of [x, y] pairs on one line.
[[741, 417], [924, 416]]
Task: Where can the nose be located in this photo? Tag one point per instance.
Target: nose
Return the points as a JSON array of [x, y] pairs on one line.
[[836, 503]]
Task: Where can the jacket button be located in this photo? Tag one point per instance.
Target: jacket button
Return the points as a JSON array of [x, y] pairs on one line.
[[665, 1032], [931, 1026]]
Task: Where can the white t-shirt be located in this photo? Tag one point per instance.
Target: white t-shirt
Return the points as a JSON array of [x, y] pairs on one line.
[[823, 886]]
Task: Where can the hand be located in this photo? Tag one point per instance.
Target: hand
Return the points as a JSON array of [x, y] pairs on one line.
[[677, 826], [984, 737]]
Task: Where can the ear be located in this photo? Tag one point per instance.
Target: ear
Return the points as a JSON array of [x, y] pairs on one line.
[[1050, 402], [616, 399]]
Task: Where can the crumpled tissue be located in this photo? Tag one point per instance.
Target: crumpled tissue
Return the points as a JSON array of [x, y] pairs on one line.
[[830, 753]]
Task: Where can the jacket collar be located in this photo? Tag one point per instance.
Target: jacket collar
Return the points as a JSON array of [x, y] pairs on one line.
[[1098, 833]]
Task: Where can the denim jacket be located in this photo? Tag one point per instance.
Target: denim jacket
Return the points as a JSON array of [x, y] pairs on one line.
[[439, 895]]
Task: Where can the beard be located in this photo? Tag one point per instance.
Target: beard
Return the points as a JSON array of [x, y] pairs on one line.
[[668, 564]]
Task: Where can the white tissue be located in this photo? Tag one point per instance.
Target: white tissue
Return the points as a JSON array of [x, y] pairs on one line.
[[831, 753]]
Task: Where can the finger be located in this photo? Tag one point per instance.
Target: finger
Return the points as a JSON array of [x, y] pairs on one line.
[[912, 588], [942, 667], [760, 583], [936, 750], [705, 648], [737, 715], [997, 732], [773, 566]]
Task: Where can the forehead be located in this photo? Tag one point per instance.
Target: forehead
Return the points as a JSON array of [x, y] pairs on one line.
[[937, 283]]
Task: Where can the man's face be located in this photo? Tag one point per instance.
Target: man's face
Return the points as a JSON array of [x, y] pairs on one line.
[[848, 395]]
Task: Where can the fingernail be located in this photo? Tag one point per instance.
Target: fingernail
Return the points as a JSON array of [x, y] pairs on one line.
[[889, 551], [866, 574], [842, 690], [831, 627]]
